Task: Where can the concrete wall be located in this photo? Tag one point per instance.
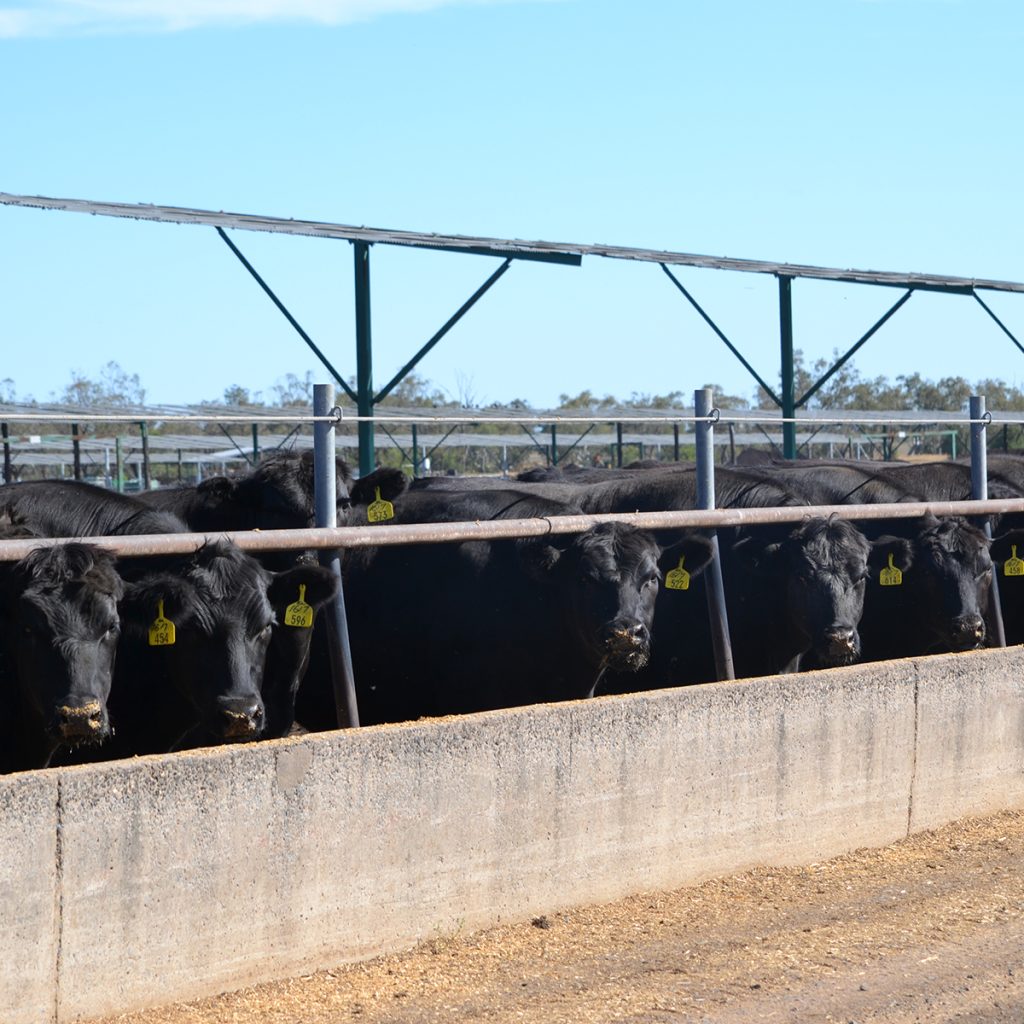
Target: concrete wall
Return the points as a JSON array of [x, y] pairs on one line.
[[167, 878]]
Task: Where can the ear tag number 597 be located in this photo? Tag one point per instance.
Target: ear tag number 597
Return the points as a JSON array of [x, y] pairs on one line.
[[379, 511], [298, 613], [891, 577], [161, 632], [1013, 566], [678, 578]]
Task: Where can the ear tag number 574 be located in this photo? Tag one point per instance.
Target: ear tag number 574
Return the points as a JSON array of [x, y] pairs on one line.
[[161, 632]]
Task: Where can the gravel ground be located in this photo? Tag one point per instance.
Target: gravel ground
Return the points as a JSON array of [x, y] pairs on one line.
[[930, 929]]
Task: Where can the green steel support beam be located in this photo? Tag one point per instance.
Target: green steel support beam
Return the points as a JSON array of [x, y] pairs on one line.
[[364, 357], [788, 383]]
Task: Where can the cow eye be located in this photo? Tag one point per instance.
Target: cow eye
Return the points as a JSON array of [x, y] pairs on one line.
[[263, 633], [112, 630], [651, 581]]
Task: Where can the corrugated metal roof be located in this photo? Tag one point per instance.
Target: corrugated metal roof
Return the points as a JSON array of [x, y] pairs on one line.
[[515, 248]]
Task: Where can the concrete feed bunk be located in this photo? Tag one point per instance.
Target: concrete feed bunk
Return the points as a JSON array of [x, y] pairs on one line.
[[166, 878]]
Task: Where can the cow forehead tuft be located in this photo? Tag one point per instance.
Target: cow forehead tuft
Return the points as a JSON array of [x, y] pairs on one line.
[[53, 569]]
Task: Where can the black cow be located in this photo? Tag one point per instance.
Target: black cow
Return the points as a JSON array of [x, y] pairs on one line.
[[59, 628], [453, 628]]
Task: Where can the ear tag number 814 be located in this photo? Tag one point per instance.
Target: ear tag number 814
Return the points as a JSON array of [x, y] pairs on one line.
[[161, 632], [298, 613], [678, 578], [891, 577], [379, 511], [1013, 566]]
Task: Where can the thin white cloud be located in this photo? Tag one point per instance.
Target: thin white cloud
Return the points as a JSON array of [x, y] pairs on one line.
[[102, 17]]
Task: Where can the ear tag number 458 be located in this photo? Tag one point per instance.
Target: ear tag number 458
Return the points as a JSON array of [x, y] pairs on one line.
[[891, 577], [678, 578], [1013, 566], [298, 613], [379, 511], [161, 632]]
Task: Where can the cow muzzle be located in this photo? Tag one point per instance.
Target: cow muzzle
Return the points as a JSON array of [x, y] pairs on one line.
[[241, 720], [967, 632], [626, 648], [85, 724], [840, 646]]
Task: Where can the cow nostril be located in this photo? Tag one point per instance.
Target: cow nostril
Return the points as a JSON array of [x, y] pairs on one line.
[[80, 722]]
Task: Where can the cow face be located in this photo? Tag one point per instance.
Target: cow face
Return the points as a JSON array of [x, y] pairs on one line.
[[61, 627], [949, 584], [609, 579], [816, 577], [223, 622]]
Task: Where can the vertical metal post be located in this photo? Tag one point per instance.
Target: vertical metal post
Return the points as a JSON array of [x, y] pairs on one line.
[[702, 406], [146, 478], [675, 442], [415, 453], [76, 448], [618, 445], [979, 491], [788, 384], [325, 500], [7, 453], [118, 466], [554, 446], [364, 357], [255, 444], [180, 467]]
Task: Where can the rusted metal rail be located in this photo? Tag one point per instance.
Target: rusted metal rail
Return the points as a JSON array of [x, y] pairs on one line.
[[453, 533]]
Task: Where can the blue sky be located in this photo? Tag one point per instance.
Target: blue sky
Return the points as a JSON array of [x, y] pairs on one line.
[[876, 134]]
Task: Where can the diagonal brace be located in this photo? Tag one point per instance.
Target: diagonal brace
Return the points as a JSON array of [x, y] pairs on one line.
[[1005, 329], [280, 305], [449, 324]]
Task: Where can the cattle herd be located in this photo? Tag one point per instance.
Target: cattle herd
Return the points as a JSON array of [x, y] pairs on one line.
[[103, 657]]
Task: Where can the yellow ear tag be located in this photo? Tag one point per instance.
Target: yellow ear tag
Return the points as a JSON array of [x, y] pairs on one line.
[[298, 613], [891, 577], [678, 579], [161, 633], [1013, 566], [379, 511]]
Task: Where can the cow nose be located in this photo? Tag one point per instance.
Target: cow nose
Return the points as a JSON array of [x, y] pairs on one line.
[[968, 630], [81, 723], [241, 719], [626, 636], [841, 638]]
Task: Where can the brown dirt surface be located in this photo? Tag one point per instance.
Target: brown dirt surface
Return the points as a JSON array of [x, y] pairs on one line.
[[930, 929]]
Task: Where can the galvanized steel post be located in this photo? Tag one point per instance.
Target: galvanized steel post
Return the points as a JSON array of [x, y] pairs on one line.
[[979, 491], [146, 478], [255, 444], [364, 357], [415, 453], [325, 501], [119, 465], [76, 448], [702, 407]]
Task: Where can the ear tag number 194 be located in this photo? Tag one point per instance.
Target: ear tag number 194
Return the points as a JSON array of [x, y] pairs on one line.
[[298, 613], [161, 632], [380, 510], [1013, 566], [891, 577], [678, 578]]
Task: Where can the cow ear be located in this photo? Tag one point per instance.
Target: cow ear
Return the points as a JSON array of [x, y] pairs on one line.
[[393, 483], [753, 557], [539, 558], [140, 604], [321, 586], [901, 549], [1003, 545], [692, 547]]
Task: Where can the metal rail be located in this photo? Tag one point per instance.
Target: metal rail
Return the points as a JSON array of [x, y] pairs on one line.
[[454, 533]]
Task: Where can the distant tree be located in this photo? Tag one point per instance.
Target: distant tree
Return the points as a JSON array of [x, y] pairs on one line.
[[292, 391], [115, 387]]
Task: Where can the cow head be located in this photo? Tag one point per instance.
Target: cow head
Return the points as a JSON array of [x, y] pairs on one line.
[[815, 578], [217, 601], [61, 625], [608, 579], [948, 583]]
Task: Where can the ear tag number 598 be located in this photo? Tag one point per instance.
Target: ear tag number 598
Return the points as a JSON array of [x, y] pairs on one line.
[[891, 577], [379, 511], [678, 578], [298, 613], [1013, 566], [161, 632]]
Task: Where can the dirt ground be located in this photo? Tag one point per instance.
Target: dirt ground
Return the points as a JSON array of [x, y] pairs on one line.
[[930, 929]]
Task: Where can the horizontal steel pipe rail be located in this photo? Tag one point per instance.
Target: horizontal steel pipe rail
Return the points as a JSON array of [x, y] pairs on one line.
[[454, 533]]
